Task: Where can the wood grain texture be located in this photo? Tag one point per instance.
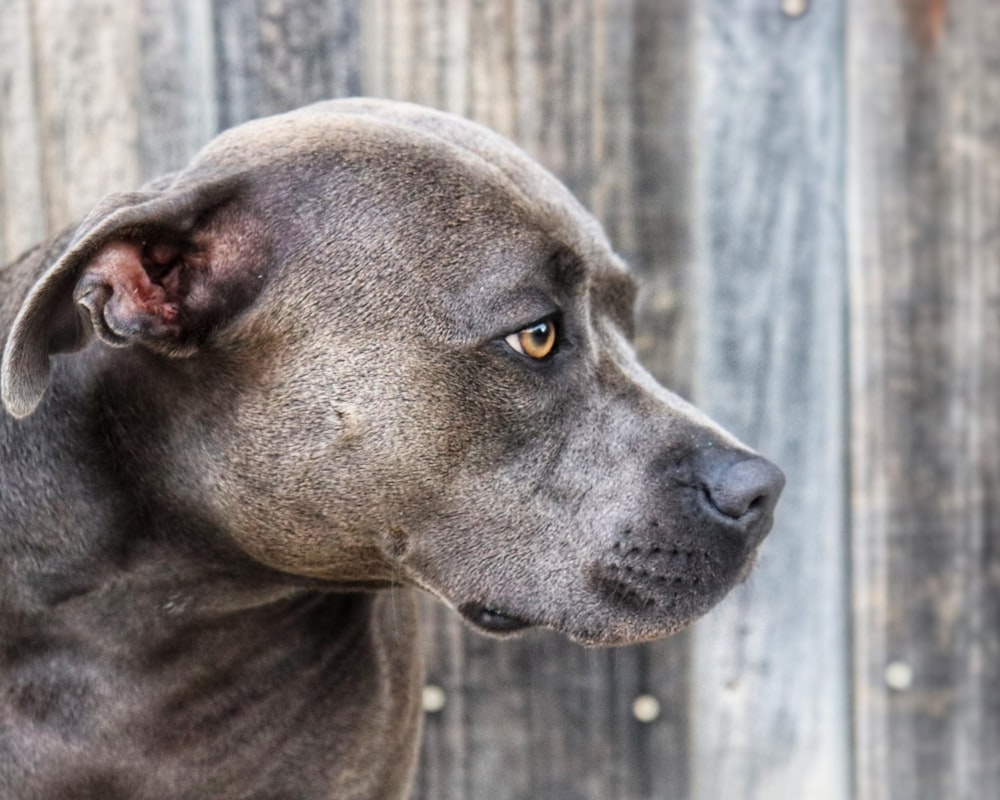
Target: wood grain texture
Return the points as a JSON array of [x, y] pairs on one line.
[[23, 220], [924, 174], [273, 56], [68, 116], [86, 84], [177, 108], [770, 665]]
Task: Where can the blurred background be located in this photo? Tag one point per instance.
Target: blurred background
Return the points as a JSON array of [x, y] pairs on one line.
[[809, 192]]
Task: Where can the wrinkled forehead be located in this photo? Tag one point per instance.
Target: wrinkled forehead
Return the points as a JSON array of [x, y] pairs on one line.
[[461, 204], [502, 162], [392, 140]]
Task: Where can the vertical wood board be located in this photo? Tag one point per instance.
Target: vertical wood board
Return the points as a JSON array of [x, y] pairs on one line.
[[770, 664], [924, 174], [87, 82], [273, 56], [177, 108], [23, 219]]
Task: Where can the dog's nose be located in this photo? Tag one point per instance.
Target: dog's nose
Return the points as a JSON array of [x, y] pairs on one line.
[[742, 488]]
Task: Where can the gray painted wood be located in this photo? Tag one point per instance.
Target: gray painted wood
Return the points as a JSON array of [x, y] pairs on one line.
[[86, 83], [69, 116], [924, 174], [177, 108], [23, 219], [272, 56], [770, 666]]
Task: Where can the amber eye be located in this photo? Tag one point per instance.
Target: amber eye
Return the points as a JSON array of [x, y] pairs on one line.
[[536, 341]]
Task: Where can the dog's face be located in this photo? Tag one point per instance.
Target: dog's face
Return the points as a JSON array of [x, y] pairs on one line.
[[438, 388], [478, 412]]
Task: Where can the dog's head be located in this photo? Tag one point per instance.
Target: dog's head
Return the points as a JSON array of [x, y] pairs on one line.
[[398, 351]]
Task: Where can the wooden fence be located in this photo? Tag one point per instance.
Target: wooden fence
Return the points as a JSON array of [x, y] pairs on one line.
[[809, 191]]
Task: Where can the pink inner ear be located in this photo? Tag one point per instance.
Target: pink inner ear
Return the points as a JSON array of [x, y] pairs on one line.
[[138, 278]]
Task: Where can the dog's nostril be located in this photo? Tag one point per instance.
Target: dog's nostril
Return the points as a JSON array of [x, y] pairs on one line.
[[745, 487]]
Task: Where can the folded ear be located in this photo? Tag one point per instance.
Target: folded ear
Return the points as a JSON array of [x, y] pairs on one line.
[[159, 269]]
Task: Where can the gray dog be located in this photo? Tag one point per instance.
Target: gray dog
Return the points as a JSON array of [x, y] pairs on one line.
[[356, 348]]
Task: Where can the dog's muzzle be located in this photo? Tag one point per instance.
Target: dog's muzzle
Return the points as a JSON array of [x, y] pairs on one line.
[[725, 500], [675, 559]]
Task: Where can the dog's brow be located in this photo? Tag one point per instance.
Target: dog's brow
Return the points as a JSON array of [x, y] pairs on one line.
[[613, 281], [616, 291], [566, 268]]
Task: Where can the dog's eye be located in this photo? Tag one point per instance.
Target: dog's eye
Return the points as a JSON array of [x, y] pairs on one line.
[[536, 341]]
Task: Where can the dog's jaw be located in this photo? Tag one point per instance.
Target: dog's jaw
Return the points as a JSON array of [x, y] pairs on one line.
[[643, 583]]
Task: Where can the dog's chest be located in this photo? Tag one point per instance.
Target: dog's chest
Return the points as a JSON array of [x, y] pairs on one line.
[[205, 712]]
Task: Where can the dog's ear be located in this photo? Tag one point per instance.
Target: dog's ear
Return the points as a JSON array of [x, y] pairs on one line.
[[160, 269]]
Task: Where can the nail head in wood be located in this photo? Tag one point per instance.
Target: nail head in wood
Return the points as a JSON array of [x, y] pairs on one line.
[[899, 676], [794, 8], [646, 708], [435, 698]]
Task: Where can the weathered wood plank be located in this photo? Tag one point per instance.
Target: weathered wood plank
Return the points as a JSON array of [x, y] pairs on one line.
[[770, 667], [67, 121], [543, 717], [273, 56], [652, 102], [924, 173], [86, 82], [177, 108], [22, 191]]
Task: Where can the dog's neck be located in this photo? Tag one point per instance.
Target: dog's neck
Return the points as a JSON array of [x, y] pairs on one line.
[[133, 619], [87, 543], [97, 496]]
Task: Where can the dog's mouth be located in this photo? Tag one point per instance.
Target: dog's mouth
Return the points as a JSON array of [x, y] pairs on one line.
[[492, 621]]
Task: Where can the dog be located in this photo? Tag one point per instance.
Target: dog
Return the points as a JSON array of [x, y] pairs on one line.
[[353, 350]]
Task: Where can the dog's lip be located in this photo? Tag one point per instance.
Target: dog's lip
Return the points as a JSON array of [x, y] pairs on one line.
[[492, 620]]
